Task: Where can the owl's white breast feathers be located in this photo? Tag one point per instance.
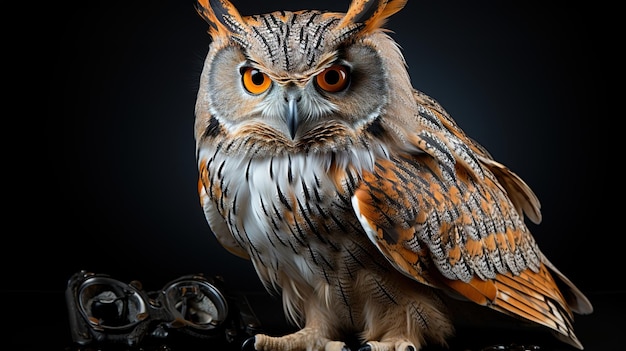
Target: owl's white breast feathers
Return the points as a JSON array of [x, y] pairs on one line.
[[257, 190]]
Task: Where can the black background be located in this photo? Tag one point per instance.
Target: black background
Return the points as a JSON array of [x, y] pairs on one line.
[[109, 180]]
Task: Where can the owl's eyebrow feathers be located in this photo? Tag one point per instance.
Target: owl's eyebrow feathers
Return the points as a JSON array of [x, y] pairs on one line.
[[293, 41]]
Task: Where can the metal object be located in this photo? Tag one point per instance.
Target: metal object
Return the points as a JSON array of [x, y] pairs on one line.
[[105, 310]]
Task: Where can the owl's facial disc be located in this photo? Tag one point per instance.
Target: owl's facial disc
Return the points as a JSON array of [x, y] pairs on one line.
[[295, 106], [299, 103], [347, 91], [289, 101]]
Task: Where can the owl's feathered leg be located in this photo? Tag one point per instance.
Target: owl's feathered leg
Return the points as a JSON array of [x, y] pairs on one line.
[[406, 322]]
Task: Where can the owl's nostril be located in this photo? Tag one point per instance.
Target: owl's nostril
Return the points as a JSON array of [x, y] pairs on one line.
[[288, 98], [292, 93]]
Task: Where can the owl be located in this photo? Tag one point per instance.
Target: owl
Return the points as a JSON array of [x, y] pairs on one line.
[[356, 197]]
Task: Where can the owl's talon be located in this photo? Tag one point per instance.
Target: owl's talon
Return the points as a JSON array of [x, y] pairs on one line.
[[248, 344]]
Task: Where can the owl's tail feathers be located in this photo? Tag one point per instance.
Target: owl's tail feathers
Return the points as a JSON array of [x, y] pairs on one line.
[[575, 299], [538, 297]]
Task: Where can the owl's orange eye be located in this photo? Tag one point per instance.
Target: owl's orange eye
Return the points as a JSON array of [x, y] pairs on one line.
[[255, 81], [333, 79]]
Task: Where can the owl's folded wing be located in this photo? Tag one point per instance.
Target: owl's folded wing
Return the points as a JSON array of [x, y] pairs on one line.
[[452, 228]]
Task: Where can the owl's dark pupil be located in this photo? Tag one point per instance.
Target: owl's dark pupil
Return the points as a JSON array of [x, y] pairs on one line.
[[257, 77], [332, 77]]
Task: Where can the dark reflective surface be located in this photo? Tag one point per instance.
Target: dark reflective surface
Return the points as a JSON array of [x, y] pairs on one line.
[[39, 321]]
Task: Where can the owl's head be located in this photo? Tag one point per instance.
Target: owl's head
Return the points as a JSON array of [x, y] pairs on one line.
[[304, 80]]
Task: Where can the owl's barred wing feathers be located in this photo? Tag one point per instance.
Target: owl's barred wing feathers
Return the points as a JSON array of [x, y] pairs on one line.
[[521, 195], [453, 218]]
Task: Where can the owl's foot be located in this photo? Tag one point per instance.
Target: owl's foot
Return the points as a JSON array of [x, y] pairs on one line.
[[397, 345], [307, 339]]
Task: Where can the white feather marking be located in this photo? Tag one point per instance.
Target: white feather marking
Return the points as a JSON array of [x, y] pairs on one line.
[[371, 233]]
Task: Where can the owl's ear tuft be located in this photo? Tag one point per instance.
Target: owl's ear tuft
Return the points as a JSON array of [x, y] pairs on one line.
[[222, 16], [372, 14]]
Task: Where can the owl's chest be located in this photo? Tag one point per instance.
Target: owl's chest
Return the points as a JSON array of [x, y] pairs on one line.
[[284, 204]]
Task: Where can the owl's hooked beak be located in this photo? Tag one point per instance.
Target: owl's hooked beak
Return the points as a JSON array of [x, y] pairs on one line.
[[292, 114]]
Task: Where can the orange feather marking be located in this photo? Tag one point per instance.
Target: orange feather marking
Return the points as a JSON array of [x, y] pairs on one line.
[[538, 283], [511, 239], [490, 242], [520, 285], [337, 175], [385, 10], [373, 13], [474, 247], [454, 255], [482, 292], [501, 240], [521, 309], [215, 13]]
